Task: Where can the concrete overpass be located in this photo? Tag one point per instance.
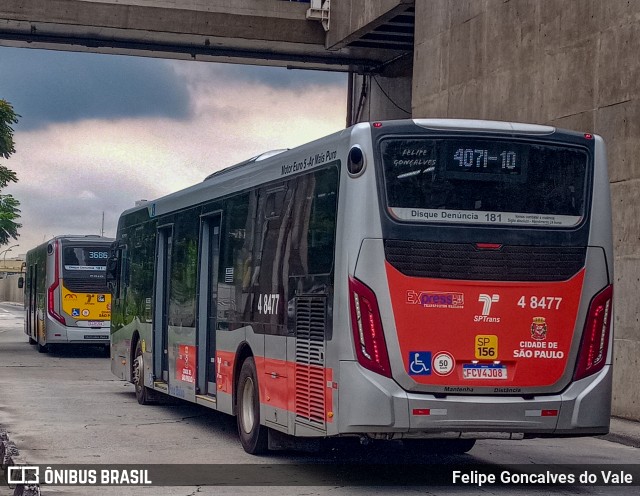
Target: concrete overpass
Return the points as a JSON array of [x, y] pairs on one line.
[[351, 36]]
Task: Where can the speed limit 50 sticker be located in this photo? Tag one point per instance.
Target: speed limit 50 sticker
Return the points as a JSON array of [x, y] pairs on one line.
[[443, 363]]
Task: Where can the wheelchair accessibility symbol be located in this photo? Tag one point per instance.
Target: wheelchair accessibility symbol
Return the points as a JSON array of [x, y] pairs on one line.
[[419, 363]]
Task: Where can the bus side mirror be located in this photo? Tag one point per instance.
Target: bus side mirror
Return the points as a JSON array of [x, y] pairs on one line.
[[112, 268], [20, 282]]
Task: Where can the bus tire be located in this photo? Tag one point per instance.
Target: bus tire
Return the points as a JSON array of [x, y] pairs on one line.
[[143, 394], [253, 436]]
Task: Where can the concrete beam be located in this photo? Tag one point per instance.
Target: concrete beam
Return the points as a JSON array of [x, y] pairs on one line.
[[268, 32], [358, 17]]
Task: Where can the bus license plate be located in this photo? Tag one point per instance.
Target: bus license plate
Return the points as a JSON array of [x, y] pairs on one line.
[[477, 371]]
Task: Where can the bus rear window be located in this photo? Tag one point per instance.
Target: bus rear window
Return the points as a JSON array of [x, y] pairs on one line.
[[76, 260], [484, 181]]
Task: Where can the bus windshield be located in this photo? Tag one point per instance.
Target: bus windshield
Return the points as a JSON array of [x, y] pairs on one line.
[[85, 259], [484, 181]]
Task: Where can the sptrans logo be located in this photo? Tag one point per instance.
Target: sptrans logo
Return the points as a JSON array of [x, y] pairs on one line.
[[487, 302], [435, 299]]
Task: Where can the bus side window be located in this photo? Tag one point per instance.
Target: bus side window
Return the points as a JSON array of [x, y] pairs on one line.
[[322, 222], [123, 280], [117, 269]]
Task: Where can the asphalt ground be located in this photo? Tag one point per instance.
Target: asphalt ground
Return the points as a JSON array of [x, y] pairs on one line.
[[624, 433]]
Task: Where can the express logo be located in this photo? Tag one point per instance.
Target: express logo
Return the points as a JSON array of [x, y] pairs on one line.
[[539, 329], [435, 299], [487, 302]]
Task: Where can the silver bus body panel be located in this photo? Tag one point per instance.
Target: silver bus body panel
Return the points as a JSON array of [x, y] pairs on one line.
[[374, 404], [601, 230], [121, 352], [365, 402], [59, 334], [52, 328], [485, 126]]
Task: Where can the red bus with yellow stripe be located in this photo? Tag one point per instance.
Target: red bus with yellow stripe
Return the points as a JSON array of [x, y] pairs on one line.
[[419, 280], [66, 298]]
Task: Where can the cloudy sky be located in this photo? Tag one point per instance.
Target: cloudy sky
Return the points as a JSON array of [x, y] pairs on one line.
[[98, 132]]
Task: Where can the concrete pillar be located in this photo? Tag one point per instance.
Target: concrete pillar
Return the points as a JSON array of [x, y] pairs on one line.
[[569, 63], [375, 97]]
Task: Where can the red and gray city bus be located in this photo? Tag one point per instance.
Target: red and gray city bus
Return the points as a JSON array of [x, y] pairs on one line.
[[66, 299], [416, 280]]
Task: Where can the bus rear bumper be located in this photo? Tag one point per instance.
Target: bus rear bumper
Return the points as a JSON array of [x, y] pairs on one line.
[[88, 335], [376, 406], [59, 334]]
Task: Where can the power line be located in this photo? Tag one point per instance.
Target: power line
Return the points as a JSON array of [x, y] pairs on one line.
[[388, 97]]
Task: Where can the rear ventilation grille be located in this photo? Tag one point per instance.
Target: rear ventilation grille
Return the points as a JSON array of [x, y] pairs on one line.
[[310, 380], [98, 285], [465, 261]]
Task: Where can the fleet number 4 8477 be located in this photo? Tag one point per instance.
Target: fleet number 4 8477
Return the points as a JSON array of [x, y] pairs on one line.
[[268, 303], [544, 302]]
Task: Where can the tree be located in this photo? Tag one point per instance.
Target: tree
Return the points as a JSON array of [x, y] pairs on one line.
[[9, 211]]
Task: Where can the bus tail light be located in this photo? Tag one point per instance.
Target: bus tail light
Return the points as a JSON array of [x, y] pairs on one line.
[[592, 354], [51, 303], [371, 348], [51, 293]]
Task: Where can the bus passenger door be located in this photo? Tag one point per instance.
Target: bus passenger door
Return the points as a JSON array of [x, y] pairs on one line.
[[208, 304], [160, 338], [32, 321]]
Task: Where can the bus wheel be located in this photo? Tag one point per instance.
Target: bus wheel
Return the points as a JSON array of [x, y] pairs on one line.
[[143, 395], [253, 436], [32, 341], [42, 348]]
